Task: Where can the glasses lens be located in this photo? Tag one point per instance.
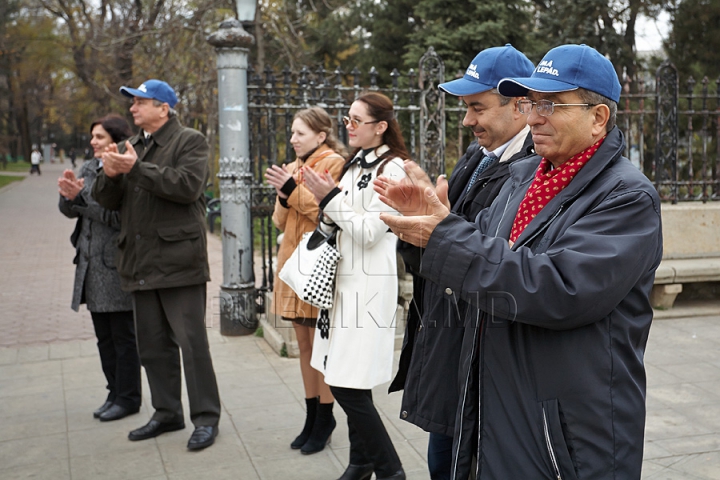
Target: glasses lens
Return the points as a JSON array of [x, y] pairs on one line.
[[545, 107], [525, 106], [346, 121]]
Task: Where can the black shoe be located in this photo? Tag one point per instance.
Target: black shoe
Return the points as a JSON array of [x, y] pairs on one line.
[[155, 428], [322, 430], [202, 437], [358, 472], [399, 475], [311, 411], [102, 408], [116, 412]]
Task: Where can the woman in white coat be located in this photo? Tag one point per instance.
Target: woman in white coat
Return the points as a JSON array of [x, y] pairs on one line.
[[354, 340]]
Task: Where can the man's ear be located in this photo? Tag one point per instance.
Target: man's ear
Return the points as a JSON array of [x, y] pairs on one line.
[[601, 116], [515, 109]]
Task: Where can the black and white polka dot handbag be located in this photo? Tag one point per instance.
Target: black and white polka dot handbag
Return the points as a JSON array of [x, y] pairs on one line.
[[310, 270]]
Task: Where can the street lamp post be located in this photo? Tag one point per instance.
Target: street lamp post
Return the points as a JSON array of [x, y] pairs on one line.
[[237, 292]]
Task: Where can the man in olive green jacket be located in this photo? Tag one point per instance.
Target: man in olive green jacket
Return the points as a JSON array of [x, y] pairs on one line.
[[156, 179]]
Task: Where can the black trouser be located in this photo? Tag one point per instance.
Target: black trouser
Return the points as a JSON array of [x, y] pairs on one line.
[[166, 319], [369, 440], [115, 333]]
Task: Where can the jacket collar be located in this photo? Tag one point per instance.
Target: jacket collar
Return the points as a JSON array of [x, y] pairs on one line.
[[372, 157], [162, 135], [516, 144], [524, 172]]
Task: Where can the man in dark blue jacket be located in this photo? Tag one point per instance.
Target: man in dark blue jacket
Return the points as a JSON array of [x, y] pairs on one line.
[[559, 271], [433, 337]]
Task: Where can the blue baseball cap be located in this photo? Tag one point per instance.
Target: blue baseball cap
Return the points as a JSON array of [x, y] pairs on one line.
[[487, 69], [155, 89], [566, 68]]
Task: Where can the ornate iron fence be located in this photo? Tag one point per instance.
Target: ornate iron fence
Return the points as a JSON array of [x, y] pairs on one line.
[[671, 136], [274, 99], [672, 133]]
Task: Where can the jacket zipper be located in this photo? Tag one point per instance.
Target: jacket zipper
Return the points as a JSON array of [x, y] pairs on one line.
[[462, 415], [549, 446]]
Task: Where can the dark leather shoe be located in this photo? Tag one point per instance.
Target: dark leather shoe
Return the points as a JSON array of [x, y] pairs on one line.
[[399, 475], [358, 472], [116, 412], [202, 437], [102, 408], [155, 428]]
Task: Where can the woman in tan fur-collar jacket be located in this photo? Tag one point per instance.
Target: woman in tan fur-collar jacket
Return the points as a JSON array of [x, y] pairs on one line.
[[296, 212]]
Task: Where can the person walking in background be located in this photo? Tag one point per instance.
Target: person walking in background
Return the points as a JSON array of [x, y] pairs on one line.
[[157, 182], [559, 271], [355, 340], [428, 367], [97, 283], [73, 156], [296, 212], [35, 159]]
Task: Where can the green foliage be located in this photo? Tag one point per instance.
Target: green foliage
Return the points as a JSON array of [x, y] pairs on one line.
[[694, 41], [459, 29], [283, 351], [260, 333]]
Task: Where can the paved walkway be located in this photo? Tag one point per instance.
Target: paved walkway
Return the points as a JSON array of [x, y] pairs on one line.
[[50, 381]]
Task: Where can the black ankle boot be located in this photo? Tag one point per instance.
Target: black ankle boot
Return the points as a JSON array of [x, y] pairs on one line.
[[399, 475], [323, 428], [357, 472], [311, 409]]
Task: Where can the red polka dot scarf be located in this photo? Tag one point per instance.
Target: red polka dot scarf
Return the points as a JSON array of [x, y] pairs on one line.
[[548, 183]]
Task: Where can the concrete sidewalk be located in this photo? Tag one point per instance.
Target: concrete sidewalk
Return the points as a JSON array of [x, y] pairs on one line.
[[50, 382]]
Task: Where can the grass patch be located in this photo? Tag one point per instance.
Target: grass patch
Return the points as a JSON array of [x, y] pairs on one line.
[[259, 332], [17, 167], [7, 179], [283, 351]]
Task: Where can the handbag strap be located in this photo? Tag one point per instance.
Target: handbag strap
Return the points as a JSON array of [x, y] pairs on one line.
[[315, 160]]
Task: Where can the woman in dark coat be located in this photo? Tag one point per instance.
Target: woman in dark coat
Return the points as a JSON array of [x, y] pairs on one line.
[[97, 283]]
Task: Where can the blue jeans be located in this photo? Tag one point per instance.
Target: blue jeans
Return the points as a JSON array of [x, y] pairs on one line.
[[439, 456]]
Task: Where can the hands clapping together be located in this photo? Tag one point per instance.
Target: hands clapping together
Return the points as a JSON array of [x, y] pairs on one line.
[[422, 205]]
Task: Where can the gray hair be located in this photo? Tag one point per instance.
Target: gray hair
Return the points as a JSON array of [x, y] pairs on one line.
[[171, 111], [503, 99], [595, 98]]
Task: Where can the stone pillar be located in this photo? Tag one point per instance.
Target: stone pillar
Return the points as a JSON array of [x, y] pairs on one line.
[[237, 292]]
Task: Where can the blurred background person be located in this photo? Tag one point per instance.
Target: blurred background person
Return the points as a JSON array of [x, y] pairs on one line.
[[35, 159], [296, 212], [97, 283], [355, 339]]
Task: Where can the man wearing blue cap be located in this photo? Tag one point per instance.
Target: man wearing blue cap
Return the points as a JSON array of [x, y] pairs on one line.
[[434, 332], [559, 271], [157, 179]]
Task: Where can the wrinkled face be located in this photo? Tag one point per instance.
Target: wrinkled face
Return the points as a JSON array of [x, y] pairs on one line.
[[100, 139], [147, 115], [304, 139], [492, 124], [366, 135], [565, 133]]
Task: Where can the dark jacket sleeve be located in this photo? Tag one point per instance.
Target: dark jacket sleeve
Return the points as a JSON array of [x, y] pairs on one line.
[[107, 191], [596, 261], [184, 182]]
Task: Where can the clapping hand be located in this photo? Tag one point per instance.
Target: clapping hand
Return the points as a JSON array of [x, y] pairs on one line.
[[69, 186], [319, 185], [407, 196], [277, 177], [416, 229], [116, 163]]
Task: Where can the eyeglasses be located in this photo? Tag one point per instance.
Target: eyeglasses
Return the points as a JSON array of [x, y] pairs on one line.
[[545, 108], [355, 123]]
